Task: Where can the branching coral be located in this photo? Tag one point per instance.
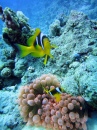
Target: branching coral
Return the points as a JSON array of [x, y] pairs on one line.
[[41, 109]]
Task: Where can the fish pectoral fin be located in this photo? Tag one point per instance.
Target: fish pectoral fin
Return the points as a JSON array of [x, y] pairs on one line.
[[54, 46], [51, 56], [62, 89], [46, 57], [23, 50]]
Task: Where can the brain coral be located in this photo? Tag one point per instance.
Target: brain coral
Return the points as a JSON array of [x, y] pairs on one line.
[[41, 109]]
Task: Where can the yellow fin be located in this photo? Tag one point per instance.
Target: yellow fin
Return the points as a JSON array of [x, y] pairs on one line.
[[23, 50], [32, 39], [38, 48], [54, 46], [57, 97], [38, 52], [62, 89], [51, 56], [45, 60], [44, 89]]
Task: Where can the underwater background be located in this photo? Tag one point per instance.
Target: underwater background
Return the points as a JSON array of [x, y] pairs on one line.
[[71, 27], [44, 12]]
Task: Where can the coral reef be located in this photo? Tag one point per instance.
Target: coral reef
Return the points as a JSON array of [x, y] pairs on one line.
[[17, 29], [6, 72], [72, 59], [41, 109], [7, 64], [9, 114], [55, 29], [77, 46], [20, 67], [74, 63]]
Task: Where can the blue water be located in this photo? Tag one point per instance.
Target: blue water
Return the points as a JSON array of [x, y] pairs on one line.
[[41, 13]]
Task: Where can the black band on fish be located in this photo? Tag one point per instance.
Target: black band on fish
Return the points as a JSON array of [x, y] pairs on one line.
[[56, 90], [50, 93], [42, 39], [39, 40], [42, 36]]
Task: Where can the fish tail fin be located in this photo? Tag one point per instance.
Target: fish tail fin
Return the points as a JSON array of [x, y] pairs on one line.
[[23, 50], [44, 89]]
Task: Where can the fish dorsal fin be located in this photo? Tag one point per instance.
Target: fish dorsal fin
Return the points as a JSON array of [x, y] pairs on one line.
[[32, 39]]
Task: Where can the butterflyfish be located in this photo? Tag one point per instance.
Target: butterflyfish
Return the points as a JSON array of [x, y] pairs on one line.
[[38, 45], [56, 93]]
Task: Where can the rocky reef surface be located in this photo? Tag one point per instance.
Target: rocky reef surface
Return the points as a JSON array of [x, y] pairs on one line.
[[74, 63]]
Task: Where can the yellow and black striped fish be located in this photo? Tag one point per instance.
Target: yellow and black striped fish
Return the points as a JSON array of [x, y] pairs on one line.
[[38, 45], [56, 93]]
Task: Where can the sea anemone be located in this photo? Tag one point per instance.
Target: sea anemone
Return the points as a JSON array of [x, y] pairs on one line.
[[40, 109]]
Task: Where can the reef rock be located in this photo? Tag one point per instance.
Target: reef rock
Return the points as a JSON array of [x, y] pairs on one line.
[[76, 58]]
